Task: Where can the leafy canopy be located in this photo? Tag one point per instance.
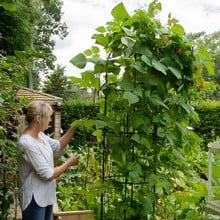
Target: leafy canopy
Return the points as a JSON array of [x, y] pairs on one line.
[[146, 75]]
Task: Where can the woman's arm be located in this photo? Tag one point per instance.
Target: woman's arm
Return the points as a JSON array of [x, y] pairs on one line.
[[65, 139], [73, 160]]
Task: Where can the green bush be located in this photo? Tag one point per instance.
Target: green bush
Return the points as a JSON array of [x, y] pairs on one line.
[[208, 127], [75, 110]]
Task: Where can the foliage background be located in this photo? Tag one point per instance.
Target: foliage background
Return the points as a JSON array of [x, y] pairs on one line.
[[146, 81], [23, 61]]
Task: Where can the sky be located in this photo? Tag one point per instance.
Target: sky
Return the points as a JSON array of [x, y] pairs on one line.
[[82, 17]]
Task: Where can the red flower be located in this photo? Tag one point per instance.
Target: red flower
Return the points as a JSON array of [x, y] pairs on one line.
[[179, 50], [166, 38], [196, 67], [201, 85]]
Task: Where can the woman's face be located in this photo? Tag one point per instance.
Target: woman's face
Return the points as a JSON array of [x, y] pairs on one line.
[[45, 120], [48, 120]]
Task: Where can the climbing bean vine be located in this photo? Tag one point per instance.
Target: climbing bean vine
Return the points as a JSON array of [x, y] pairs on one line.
[[146, 75]]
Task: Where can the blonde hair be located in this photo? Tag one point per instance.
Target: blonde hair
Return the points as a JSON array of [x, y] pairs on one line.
[[37, 108]]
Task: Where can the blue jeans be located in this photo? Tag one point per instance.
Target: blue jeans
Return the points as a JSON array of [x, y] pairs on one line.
[[35, 212]]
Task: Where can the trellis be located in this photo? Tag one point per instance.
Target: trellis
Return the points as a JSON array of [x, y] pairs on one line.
[[121, 179]]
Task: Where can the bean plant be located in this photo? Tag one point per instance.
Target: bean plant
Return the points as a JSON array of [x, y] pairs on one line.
[[145, 75]]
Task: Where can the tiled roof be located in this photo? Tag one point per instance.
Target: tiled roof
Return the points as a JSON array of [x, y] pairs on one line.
[[30, 94]]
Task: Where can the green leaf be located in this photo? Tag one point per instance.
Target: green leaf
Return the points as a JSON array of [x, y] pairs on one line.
[[177, 29], [187, 107], [119, 12], [100, 124], [131, 97], [145, 142], [209, 66], [137, 120], [87, 77], [101, 29], [215, 171], [128, 41], [78, 124], [126, 84], [170, 135], [159, 190], [147, 205], [175, 72], [167, 186], [178, 155], [84, 124], [138, 91], [99, 68], [89, 124], [135, 177], [203, 52], [135, 171], [89, 80], [129, 32], [159, 66], [8, 6], [88, 52], [168, 118], [137, 168], [139, 66], [97, 60], [136, 137], [112, 78], [75, 79], [146, 60], [79, 61], [153, 8], [147, 93], [109, 122], [101, 39], [115, 27], [156, 99], [96, 83], [2, 131], [111, 68], [98, 134], [153, 179], [106, 90], [142, 49], [5, 167], [95, 49], [161, 132]]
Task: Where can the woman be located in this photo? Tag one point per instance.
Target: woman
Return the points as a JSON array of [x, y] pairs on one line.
[[37, 189]]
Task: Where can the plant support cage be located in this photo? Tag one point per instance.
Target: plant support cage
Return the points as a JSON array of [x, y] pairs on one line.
[[213, 202]]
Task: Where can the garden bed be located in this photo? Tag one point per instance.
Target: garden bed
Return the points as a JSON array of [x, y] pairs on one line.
[[71, 215]]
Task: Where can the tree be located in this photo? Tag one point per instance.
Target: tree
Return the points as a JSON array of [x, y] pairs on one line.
[[211, 43], [58, 84], [48, 25], [27, 35], [8, 131], [15, 28], [18, 56]]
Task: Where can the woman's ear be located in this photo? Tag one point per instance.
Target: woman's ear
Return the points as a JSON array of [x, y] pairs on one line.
[[38, 118]]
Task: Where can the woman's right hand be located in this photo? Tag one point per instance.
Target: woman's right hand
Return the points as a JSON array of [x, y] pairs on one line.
[[73, 160]]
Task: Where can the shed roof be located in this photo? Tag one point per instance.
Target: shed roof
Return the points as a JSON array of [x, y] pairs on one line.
[[31, 94]]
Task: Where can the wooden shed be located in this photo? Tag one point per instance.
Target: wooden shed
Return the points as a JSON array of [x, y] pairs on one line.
[[56, 103]]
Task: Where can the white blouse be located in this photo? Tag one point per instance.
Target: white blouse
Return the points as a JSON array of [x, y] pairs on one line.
[[35, 167]]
